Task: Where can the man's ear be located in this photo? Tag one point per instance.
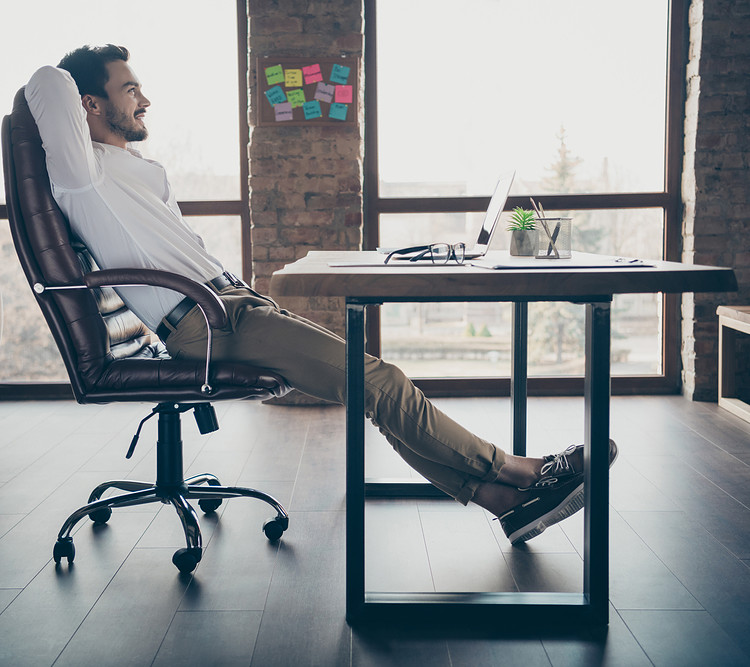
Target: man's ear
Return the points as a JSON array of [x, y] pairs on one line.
[[91, 105]]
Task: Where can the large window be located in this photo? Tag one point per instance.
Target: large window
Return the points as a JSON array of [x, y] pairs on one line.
[[185, 53], [583, 99]]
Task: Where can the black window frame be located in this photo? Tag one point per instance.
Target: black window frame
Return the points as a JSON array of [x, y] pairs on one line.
[[668, 200]]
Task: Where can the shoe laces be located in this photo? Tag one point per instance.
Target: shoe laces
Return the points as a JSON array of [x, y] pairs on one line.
[[558, 463]]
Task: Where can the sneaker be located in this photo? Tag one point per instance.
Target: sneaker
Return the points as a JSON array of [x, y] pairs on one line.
[[560, 468], [552, 502]]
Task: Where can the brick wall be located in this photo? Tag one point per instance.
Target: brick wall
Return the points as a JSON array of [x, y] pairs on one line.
[[716, 176], [305, 182]]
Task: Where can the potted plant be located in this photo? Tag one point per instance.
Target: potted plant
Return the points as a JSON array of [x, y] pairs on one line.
[[523, 238]]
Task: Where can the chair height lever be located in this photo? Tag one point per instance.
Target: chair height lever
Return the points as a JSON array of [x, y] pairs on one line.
[[134, 441]]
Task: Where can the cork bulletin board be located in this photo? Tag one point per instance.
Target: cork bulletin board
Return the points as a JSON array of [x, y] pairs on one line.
[[307, 91]]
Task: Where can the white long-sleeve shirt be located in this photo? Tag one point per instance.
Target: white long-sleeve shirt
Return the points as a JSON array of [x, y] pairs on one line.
[[118, 203]]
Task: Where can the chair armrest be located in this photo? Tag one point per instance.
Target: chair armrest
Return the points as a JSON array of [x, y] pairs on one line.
[[208, 300]]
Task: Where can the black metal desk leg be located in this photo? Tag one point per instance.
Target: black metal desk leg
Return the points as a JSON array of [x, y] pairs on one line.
[[355, 460], [519, 376], [596, 456]]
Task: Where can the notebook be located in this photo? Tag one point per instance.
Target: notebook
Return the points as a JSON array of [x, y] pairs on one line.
[[489, 224]]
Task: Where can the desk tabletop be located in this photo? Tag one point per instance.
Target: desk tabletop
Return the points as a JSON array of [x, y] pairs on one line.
[[362, 275]]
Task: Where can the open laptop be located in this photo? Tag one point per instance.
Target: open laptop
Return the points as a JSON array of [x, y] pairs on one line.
[[489, 224]]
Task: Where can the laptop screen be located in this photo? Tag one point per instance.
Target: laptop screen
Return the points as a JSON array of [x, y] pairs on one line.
[[494, 210]]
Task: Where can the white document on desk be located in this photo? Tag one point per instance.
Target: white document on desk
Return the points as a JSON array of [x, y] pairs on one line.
[[503, 260], [426, 264]]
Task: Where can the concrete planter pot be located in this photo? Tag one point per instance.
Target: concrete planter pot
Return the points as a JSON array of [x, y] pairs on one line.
[[523, 242]]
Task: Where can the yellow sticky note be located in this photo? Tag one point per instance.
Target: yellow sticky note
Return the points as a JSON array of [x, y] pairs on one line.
[[293, 78]]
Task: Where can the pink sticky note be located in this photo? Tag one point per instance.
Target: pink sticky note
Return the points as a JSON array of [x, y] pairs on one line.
[[312, 74], [344, 94]]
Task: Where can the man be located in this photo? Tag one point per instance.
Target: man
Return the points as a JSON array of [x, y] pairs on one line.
[[122, 207]]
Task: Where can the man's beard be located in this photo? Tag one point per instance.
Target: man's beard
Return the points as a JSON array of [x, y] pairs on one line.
[[124, 126]]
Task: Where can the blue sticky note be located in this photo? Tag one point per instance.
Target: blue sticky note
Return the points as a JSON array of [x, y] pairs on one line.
[[275, 95], [338, 111], [340, 74], [312, 109]]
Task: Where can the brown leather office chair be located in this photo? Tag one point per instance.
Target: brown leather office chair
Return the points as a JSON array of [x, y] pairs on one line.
[[109, 353]]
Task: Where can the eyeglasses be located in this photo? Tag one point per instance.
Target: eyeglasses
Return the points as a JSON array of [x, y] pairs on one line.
[[438, 253]]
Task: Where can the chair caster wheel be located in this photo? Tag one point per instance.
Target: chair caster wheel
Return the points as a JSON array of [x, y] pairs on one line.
[[187, 560], [209, 505], [64, 548], [274, 528], [101, 515]]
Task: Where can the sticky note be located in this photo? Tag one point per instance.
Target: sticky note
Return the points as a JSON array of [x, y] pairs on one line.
[[296, 97], [340, 74], [338, 111], [312, 73], [274, 75], [283, 112], [312, 109], [324, 92], [344, 94], [293, 78], [275, 95]]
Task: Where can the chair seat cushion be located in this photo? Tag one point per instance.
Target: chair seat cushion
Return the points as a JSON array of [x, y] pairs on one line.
[[158, 379]]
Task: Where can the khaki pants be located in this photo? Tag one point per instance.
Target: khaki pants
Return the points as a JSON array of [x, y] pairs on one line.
[[312, 359]]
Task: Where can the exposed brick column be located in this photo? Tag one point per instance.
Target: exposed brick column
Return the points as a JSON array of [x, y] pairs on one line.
[[716, 176], [305, 182]]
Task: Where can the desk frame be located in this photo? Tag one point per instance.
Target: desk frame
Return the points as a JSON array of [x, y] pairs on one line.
[[502, 610]]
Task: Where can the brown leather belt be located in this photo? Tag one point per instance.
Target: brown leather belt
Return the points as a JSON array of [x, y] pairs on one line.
[[175, 316]]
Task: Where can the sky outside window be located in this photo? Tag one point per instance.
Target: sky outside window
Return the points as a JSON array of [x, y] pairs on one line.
[[463, 95]]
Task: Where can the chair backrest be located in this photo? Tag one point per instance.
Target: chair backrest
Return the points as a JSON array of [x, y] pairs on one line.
[[91, 327], [107, 350]]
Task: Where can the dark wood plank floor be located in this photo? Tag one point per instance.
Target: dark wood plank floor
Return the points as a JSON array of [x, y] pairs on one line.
[[680, 543]]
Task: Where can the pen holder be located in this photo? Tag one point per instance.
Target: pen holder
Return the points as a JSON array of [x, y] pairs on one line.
[[554, 238]]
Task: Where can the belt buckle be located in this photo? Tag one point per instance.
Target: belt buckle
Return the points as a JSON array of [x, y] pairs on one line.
[[234, 281]]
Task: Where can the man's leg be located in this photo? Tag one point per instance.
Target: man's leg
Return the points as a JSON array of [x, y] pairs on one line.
[[312, 360], [515, 489]]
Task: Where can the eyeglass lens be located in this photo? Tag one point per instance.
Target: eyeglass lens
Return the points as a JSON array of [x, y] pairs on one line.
[[441, 253]]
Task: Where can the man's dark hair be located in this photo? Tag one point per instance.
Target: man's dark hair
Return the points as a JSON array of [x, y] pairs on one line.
[[88, 66]]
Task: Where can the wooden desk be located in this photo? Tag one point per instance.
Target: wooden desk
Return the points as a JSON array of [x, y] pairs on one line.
[[358, 278]]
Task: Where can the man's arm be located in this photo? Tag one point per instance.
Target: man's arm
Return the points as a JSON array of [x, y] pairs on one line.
[[54, 102]]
